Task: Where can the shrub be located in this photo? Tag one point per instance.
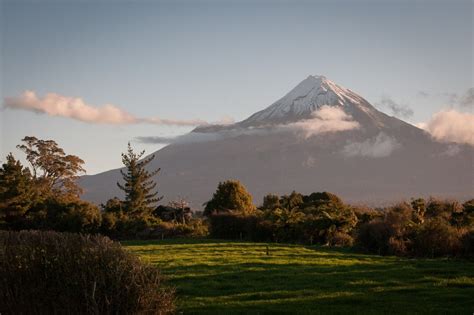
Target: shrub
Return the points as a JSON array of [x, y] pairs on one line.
[[374, 236], [340, 239], [437, 238], [230, 225], [64, 215], [50, 272], [468, 243]]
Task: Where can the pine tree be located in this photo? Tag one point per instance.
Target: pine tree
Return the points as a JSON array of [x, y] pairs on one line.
[[139, 185], [16, 192]]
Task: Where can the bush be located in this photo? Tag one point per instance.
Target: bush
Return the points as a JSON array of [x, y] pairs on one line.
[[437, 238], [340, 239], [374, 236], [468, 244], [50, 272], [64, 215], [230, 225]]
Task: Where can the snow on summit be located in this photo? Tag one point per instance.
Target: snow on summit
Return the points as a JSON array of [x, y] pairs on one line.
[[308, 96]]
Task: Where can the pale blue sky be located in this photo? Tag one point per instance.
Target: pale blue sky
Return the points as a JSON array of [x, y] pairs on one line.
[[210, 59]]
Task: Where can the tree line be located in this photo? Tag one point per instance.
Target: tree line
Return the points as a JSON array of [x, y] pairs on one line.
[[45, 196], [428, 228]]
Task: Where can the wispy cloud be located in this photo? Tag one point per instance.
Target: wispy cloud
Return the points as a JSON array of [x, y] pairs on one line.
[[398, 110], [76, 108], [452, 99], [326, 119], [467, 100], [379, 146], [451, 126], [156, 139]]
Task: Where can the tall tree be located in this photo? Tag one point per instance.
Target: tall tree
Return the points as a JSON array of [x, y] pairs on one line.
[[53, 170], [16, 193], [140, 199], [230, 195]]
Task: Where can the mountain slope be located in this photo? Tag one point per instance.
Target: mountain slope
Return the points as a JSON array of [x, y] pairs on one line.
[[319, 136]]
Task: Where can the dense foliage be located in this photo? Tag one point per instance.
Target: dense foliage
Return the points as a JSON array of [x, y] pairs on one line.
[[317, 218], [54, 273], [46, 197], [230, 195], [433, 228]]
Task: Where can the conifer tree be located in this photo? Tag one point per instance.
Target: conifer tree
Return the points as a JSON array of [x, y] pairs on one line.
[[140, 197], [16, 193]]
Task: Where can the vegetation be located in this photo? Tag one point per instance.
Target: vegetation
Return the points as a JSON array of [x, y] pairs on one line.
[[46, 197], [54, 273], [49, 272], [230, 195], [223, 277], [140, 199]]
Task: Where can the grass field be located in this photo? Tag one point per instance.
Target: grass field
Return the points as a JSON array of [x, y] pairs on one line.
[[237, 277]]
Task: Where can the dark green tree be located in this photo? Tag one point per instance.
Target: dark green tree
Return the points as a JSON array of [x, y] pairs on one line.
[[230, 195], [140, 197], [16, 193], [271, 202]]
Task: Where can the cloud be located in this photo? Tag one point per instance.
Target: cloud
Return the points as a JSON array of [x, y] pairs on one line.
[[326, 119], [452, 99], [398, 110], [423, 94], [156, 140], [71, 107], [467, 100], [75, 108], [197, 136], [451, 126], [173, 122], [452, 150], [380, 146]]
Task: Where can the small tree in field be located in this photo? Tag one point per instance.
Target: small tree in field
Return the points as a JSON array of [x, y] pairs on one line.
[[140, 198], [230, 195]]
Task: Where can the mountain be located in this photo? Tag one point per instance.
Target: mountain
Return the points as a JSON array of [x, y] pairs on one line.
[[318, 137]]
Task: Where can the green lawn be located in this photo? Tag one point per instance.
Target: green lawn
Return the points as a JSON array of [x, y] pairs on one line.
[[224, 277]]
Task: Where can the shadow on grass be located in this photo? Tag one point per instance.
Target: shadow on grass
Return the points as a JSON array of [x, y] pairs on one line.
[[234, 277]]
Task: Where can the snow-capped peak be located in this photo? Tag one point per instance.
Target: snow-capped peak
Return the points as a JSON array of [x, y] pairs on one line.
[[308, 96]]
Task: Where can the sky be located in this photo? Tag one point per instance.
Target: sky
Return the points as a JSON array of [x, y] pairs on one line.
[[214, 61]]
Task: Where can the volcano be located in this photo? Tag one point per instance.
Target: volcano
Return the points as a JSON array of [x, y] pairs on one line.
[[318, 137]]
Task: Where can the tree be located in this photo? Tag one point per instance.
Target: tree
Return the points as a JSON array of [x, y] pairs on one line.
[[114, 205], [230, 195], [16, 193], [139, 185], [271, 202], [53, 171]]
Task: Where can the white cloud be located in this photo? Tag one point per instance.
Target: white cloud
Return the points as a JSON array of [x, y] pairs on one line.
[[451, 126], [381, 145], [75, 108], [326, 119], [71, 107]]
